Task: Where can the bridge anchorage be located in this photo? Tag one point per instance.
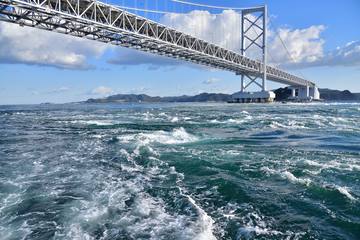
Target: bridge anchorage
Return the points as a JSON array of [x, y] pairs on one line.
[[110, 24]]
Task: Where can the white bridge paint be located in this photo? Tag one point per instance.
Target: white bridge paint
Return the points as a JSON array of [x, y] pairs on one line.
[[304, 93], [102, 22], [258, 97]]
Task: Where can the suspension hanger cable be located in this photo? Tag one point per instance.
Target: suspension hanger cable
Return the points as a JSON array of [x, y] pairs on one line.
[[286, 48]]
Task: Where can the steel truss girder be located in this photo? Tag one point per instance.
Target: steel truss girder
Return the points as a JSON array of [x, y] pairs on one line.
[[105, 23]]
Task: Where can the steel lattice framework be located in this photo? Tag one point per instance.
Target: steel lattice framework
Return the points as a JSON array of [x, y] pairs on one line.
[[110, 24]]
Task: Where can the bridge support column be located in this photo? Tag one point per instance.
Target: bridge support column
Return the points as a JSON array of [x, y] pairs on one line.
[[304, 93], [293, 93], [254, 19]]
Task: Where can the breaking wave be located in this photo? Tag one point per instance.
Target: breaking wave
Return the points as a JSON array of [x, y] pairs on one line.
[[286, 175], [176, 136]]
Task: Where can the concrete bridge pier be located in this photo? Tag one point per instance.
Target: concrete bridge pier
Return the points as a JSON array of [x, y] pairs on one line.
[[253, 97], [304, 93]]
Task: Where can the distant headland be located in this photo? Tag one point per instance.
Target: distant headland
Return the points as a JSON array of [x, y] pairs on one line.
[[282, 94]]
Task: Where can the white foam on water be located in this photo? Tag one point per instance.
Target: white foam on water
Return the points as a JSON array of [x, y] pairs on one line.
[[137, 213], [77, 233], [341, 166], [231, 152], [94, 122], [19, 113], [249, 231], [354, 167], [174, 119], [237, 121], [148, 116], [148, 215], [345, 192], [176, 136], [267, 170], [204, 224], [214, 121], [93, 213], [180, 176], [12, 199], [340, 103], [292, 178], [313, 163], [289, 125], [286, 175], [232, 120], [255, 225]]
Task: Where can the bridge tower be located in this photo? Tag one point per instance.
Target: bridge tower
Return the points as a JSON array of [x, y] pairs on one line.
[[254, 37]]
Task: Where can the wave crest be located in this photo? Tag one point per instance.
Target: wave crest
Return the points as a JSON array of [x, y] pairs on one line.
[[176, 136]]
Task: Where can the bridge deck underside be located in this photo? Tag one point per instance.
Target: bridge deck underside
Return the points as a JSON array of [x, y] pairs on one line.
[[105, 23]]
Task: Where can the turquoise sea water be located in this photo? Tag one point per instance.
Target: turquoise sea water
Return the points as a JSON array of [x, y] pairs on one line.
[[180, 171]]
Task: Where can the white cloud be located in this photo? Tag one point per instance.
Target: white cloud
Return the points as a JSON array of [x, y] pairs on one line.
[[211, 81], [347, 56], [102, 91], [302, 45], [38, 47], [222, 29]]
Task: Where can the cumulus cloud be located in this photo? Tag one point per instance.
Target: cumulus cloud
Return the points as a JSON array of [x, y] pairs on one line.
[[222, 29], [301, 45], [211, 81], [101, 91], [346, 56], [38, 47]]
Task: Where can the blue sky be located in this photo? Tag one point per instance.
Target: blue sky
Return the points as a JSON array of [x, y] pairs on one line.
[[38, 66]]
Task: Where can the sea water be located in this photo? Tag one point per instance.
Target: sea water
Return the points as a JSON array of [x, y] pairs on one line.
[[180, 171]]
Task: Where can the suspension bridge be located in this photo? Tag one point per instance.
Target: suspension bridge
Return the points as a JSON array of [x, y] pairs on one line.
[[125, 26]]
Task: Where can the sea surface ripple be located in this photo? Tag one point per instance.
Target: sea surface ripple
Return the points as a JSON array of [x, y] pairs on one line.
[[180, 171]]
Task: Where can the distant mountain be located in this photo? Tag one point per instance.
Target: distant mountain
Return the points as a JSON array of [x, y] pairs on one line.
[[282, 94], [203, 97], [336, 95], [125, 98]]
